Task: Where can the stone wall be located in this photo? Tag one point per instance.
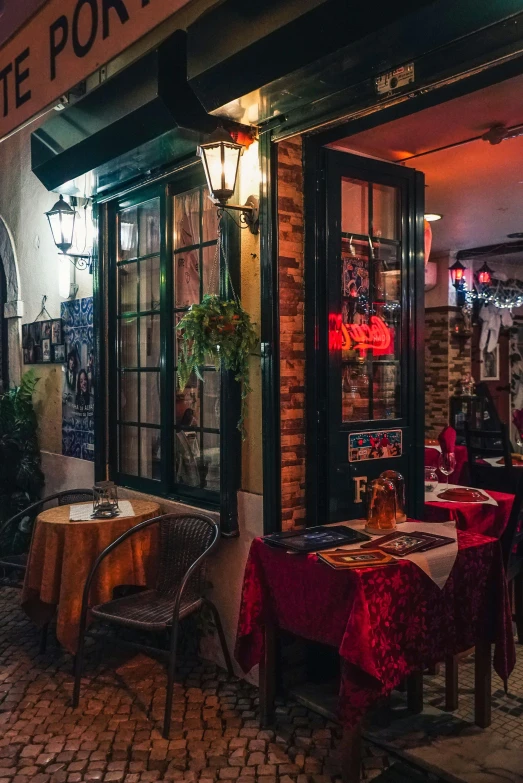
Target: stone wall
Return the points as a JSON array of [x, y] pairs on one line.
[[292, 331], [444, 366]]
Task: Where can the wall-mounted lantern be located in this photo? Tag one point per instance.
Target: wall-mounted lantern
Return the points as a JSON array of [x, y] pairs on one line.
[[62, 219], [221, 160], [457, 275], [485, 274]]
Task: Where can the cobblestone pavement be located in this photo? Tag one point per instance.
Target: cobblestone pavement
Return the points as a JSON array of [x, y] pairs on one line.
[[115, 734]]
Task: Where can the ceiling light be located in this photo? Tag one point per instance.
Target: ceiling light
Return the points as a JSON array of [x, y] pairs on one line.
[[431, 217]]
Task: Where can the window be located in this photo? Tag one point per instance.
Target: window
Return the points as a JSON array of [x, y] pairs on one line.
[[167, 440]]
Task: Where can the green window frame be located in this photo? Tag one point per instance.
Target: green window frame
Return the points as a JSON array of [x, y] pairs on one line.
[[180, 444]]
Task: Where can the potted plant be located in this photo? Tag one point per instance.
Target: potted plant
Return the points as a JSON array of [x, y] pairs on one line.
[[21, 477], [218, 332]]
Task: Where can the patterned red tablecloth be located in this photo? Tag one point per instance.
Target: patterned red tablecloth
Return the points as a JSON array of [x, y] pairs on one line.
[[386, 622], [475, 517], [460, 473]]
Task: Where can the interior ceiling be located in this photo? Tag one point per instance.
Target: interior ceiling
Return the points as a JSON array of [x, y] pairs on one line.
[[477, 187]]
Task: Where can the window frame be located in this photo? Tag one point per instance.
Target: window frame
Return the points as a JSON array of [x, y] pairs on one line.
[[224, 500]]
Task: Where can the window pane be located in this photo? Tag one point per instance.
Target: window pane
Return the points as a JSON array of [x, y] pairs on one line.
[[211, 460], [128, 285], [210, 218], [128, 343], [386, 389], [149, 227], [354, 206], [188, 404], [187, 219], [211, 400], [150, 397], [150, 341], [387, 281], [128, 396], [384, 211], [150, 284], [211, 270], [187, 278], [150, 445], [355, 397], [128, 234], [187, 459], [128, 457]]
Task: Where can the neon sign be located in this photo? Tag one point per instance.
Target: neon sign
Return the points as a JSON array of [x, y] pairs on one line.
[[375, 336]]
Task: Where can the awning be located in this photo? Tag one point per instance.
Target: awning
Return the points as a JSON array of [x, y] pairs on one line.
[[137, 121]]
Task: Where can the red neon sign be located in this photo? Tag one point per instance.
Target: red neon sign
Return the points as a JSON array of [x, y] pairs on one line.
[[375, 336]]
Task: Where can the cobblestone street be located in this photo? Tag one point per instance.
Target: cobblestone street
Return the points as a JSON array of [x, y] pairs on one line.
[[115, 735]]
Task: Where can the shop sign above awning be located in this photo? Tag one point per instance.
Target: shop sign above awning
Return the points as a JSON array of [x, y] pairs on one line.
[[65, 42]]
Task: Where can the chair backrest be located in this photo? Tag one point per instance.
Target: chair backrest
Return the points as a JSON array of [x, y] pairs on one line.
[[512, 539], [75, 496], [482, 444], [183, 538]]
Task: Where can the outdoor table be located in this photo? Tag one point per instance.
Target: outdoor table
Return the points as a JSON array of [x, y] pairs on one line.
[[62, 554], [475, 517], [387, 623], [460, 472]]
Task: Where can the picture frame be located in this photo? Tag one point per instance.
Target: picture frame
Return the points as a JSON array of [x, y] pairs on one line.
[[58, 354], [56, 331], [46, 330], [489, 365], [46, 350]]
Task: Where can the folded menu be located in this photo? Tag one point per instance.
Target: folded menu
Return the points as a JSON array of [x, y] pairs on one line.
[[354, 558], [312, 539], [400, 544]]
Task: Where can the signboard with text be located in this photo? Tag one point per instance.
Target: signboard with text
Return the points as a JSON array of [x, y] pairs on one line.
[[62, 44]]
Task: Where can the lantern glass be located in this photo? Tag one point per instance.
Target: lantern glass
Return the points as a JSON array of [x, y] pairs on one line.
[[457, 273], [61, 219], [221, 159], [105, 503], [485, 274]]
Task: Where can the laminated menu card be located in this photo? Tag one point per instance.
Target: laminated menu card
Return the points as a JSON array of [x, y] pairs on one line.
[[400, 544], [354, 558]]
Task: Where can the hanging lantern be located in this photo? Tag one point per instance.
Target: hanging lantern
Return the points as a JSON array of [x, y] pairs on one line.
[[61, 219], [485, 274], [221, 159], [457, 274]]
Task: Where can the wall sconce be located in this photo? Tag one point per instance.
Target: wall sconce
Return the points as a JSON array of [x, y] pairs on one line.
[[485, 274], [62, 219], [457, 275], [221, 160]]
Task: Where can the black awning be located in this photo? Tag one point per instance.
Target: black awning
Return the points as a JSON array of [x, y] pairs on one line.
[[142, 118]]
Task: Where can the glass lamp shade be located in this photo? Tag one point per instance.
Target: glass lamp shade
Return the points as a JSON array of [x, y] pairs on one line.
[[457, 273], [61, 219], [221, 159], [485, 274]]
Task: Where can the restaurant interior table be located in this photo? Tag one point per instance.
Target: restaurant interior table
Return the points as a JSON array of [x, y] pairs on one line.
[[460, 472], [62, 553], [386, 623], [476, 517]]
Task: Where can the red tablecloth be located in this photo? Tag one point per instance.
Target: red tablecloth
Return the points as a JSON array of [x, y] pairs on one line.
[[475, 517], [386, 622], [460, 473]]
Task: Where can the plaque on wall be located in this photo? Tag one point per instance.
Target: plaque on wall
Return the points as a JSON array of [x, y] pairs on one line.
[[42, 342], [381, 444]]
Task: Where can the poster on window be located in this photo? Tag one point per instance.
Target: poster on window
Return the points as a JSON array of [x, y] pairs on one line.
[[78, 379]]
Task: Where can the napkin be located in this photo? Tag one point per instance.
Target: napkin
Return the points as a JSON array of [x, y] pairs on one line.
[[447, 440]]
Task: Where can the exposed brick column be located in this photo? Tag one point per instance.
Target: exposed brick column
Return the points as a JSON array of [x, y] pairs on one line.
[[292, 330]]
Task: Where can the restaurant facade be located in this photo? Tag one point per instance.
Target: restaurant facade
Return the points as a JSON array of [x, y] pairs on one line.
[[333, 280]]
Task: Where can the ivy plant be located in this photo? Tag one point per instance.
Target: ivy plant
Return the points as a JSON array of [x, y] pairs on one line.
[[221, 333]]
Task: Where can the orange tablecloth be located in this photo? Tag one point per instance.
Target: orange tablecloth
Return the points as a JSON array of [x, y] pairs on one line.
[[61, 556]]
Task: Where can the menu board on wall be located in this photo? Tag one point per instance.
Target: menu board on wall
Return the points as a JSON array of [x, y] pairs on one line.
[[78, 379]]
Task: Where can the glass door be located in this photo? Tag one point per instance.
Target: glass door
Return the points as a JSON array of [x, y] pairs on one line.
[[368, 337]]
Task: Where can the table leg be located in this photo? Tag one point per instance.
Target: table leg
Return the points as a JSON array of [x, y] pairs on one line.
[[451, 683], [482, 685], [268, 677], [351, 755], [415, 691]]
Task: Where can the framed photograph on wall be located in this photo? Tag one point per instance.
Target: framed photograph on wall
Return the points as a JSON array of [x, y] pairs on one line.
[[46, 349], [59, 353], [489, 366], [56, 331]]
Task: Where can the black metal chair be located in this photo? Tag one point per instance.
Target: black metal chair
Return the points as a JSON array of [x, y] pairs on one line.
[[16, 565], [185, 542], [491, 443]]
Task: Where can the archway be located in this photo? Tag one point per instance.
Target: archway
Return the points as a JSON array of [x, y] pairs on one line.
[[11, 309]]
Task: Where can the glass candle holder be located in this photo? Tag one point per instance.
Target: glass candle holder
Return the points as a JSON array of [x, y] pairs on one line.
[[105, 502], [381, 505], [399, 485]]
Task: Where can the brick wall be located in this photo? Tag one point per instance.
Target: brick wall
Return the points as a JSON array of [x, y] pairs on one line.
[[444, 366], [292, 331]]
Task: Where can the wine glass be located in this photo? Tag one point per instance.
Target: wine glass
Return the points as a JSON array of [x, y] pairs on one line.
[[431, 479], [447, 464]]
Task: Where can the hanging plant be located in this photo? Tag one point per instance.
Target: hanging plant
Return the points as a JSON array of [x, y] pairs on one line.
[[218, 332]]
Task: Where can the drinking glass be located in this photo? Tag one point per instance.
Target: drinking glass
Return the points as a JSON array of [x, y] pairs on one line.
[[447, 464], [431, 479]]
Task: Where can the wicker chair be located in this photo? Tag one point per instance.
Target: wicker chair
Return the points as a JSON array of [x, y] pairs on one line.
[[185, 542], [16, 565]]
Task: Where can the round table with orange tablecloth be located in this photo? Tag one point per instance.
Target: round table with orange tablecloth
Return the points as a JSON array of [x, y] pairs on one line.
[[62, 554]]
